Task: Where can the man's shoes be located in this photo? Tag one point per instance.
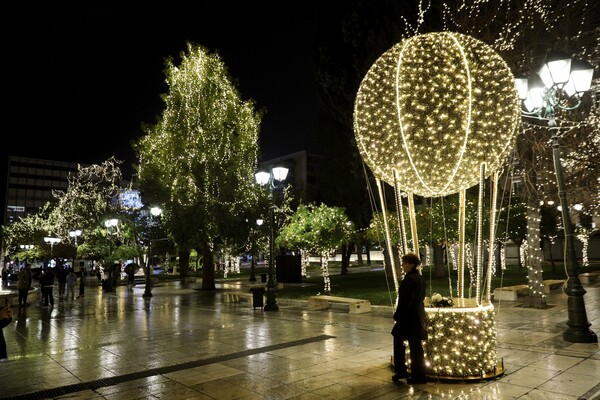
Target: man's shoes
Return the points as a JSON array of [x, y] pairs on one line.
[[416, 381], [397, 377]]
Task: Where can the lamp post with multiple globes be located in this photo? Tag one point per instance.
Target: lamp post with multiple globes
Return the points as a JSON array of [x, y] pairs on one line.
[[75, 234], [51, 241], [110, 224], [155, 212], [26, 248], [561, 84], [259, 222], [277, 174]]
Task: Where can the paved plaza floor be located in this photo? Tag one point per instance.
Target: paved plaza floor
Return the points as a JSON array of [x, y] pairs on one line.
[[184, 343]]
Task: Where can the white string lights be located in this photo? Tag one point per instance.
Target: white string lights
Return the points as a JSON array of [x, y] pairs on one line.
[[435, 107], [437, 114], [462, 341]]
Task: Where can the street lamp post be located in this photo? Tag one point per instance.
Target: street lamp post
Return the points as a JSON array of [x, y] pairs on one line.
[[110, 224], [565, 80], [51, 241], [259, 222], [155, 212], [26, 247], [263, 178], [75, 234]]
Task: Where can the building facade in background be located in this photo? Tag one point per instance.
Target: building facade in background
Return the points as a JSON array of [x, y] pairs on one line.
[[30, 182]]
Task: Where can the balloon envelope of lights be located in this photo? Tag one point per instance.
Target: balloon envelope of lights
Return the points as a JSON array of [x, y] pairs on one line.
[[435, 107]]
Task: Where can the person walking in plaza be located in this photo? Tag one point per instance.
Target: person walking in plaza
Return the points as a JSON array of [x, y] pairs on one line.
[[24, 285], [47, 286], [81, 281], [71, 281], [130, 269], [411, 322], [61, 274], [6, 314]]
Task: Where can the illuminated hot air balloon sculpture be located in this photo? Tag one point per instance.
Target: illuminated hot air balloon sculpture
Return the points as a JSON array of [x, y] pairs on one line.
[[435, 115]]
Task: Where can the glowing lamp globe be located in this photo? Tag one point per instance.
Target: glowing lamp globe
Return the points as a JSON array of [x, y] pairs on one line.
[[433, 108]]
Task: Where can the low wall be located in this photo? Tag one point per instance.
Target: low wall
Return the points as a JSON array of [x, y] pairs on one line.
[[13, 296]]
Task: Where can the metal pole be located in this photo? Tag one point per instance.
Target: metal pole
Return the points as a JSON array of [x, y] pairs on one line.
[[271, 304], [148, 287], [252, 263], [578, 330]]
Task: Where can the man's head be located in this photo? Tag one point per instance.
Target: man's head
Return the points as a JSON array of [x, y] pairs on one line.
[[27, 265], [410, 261]]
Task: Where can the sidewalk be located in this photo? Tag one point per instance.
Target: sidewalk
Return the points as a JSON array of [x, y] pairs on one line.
[[187, 344]]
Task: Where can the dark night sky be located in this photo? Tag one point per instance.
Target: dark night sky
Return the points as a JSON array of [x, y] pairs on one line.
[[80, 77]]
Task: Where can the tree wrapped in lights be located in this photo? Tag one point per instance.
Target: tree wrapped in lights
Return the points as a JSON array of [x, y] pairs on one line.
[[29, 229], [321, 229], [198, 160], [522, 32], [91, 195]]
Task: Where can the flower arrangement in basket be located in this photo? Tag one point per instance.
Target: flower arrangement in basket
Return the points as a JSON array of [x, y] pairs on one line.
[[437, 300]]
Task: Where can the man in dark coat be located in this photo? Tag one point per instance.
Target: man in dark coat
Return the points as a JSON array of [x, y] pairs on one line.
[[47, 286], [24, 285], [61, 273], [411, 322]]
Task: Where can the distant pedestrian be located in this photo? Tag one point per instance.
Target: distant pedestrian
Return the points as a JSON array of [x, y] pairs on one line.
[[81, 282], [47, 286], [6, 314], [24, 285], [61, 274], [71, 281], [130, 269]]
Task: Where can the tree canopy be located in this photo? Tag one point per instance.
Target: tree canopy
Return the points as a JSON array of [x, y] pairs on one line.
[[198, 160]]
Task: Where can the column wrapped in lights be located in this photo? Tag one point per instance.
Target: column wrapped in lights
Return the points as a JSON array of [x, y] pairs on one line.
[[430, 112], [277, 174], [559, 84]]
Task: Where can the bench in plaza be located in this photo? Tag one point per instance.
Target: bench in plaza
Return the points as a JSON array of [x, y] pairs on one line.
[[589, 277], [12, 296], [237, 297], [355, 306], [552, 284], [510, 293]]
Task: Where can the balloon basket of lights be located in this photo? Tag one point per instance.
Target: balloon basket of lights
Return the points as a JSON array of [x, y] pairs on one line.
[[422, 124]]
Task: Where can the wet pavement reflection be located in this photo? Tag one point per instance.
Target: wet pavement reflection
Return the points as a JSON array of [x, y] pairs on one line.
[[184, 343]]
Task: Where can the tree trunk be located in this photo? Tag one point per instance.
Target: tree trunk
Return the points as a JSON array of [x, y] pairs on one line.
[[184, 263], [325, 271], [438, 260], [346, 254], [519, 243], [536, 298], [208, 268], [368, 254], [359, 259]]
